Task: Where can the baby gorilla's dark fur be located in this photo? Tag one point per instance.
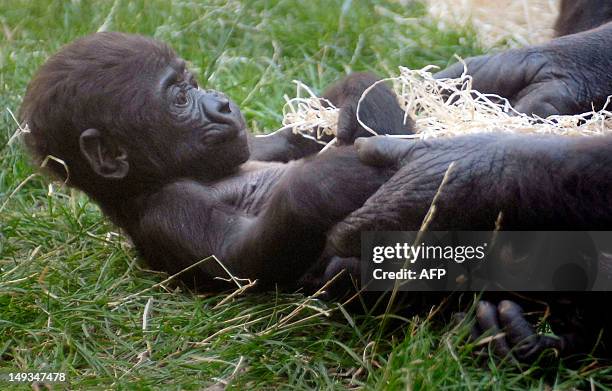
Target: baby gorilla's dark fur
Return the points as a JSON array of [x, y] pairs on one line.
[[167, 161]]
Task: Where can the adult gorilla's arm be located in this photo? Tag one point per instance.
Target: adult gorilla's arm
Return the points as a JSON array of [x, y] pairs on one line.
[[537, 182], [379, 110], [568, 75]]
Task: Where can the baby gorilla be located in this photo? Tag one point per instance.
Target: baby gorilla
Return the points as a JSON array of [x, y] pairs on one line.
[[168, 162]]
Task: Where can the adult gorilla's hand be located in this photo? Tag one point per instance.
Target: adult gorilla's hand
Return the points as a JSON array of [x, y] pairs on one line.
[[536, 182], [492, 173], [386, 151], [402, 202], [568, 75]]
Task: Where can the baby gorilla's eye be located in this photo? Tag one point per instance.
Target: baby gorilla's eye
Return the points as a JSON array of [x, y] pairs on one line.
[[192, 81]]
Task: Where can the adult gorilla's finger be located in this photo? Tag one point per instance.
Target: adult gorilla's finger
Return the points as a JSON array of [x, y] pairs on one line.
[[382, 151], [351, 266], [548, 98], [521, 334], [485, 72], [519, 331], [503, 74], [486, 315], [452, 72], [345, 271]]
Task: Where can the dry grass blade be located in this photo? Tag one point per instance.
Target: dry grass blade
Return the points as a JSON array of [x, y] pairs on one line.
[[131, 297]]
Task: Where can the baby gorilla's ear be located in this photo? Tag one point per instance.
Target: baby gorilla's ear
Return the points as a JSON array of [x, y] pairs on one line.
[[104, 156]]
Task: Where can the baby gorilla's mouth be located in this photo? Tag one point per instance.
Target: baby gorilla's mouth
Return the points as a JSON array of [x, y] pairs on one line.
[[225, 116], [221, 133]]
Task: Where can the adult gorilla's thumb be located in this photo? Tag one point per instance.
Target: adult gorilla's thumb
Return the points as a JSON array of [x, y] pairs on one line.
[[452, 72], [503, 74], [382, 151], [554, 97]]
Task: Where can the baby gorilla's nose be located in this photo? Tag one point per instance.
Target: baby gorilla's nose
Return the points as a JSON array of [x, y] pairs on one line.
[[216, 104], [224, 106], [220, 110]]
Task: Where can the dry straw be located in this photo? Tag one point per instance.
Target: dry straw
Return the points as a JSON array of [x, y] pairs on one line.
[[309, 115], [443, 108]]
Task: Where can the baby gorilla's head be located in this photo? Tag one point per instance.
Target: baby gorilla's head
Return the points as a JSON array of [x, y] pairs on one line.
[[125, 115]]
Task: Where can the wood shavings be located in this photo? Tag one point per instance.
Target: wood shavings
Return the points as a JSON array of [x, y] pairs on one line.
[[518, 22], [446, 108], [304, 114], [450, 107]]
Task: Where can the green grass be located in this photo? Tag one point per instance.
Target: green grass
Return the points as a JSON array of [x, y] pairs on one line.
[[62, 266]]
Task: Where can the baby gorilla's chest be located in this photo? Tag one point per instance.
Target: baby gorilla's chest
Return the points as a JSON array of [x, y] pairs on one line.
[[248, 190]]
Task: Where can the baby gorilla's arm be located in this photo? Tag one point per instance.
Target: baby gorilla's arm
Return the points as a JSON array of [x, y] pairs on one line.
[[186, 222], [282, 146], [379, 110], [283, 241]]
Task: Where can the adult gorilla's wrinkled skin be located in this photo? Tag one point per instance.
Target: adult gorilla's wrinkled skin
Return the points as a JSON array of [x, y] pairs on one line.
[[537, 182], [567, 75]]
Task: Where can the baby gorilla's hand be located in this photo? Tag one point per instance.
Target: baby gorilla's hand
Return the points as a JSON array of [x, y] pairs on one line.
[[379, 109], [567, 75]]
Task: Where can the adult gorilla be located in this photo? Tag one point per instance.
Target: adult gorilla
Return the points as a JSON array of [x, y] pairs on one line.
[[537, 182]]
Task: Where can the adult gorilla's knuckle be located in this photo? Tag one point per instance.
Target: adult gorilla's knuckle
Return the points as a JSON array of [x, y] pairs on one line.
[[536, 63], [508, 308], [484, 308]]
